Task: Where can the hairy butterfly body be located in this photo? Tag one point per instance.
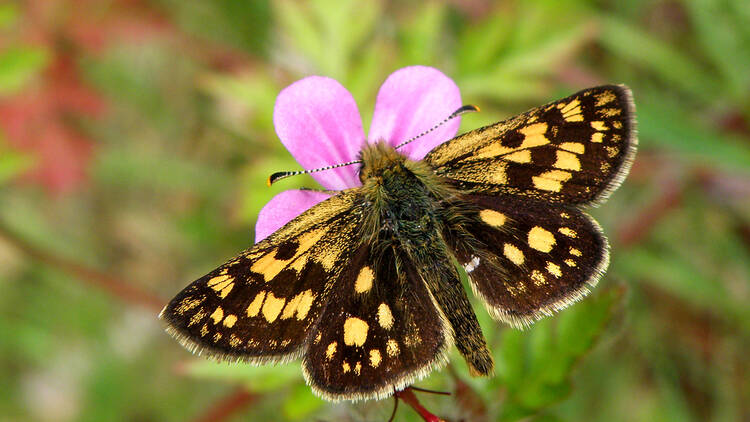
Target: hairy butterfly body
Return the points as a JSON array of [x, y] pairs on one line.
[[364, 286]]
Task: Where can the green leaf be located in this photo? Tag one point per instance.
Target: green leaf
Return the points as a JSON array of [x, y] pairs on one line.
[[673, 67], [323, 32], [157, 171], [301, 402], [534, 366], [664, 122], [421, 37], [242, 24], [479, 43], [12, 163], [18, 65], [719, 33], [8, 15]]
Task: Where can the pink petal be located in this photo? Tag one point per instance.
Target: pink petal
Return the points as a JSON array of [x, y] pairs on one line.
[[318, 121], [412, 100], [282, 209]]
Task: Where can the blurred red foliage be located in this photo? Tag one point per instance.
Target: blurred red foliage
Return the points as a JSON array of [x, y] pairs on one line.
[[43, 119]]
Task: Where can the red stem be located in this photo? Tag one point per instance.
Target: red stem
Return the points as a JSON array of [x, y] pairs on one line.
[[409, 398]]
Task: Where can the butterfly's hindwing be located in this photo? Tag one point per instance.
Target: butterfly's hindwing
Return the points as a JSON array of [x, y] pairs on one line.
[[530, 258], [379, 332], [261, 306], [572, 151]]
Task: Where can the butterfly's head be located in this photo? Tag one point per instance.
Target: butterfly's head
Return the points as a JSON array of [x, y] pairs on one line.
[[378, 160]]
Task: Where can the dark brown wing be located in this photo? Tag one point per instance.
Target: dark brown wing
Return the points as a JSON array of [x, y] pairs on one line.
[[261, 305], [380, 332], [574, 151], [527, 259]]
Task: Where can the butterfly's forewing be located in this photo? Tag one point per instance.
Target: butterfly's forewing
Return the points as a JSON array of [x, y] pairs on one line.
[[572, 151], [530, 258], [262, 305], [379, 332]]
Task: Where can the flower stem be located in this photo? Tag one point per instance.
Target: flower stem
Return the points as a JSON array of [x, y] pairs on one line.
[[409, 398]]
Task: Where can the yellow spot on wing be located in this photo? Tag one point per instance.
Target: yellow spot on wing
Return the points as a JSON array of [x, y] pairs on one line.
[[268, 265], [345, 366], [328, 256], [391, 347], [272, 307], [375, 358], [492, 217], [307, 240], [599, 125], [538, 278], [513, 254], [299, 304], [570, 263], [299, 263], [355, 331], [230, 320], [254, 307], [218, 315], [567, 231], [234, 341], [605, 98], [570, 107], [567, 161], [523, 156], [576, 147], [364, 280], [610, 112], [291, 307], [541, 239], [598, 137], [551, 180], [188, 303], [554, 269], [575, 252], [385, 317], [305, 303], [222, 284], [204, 330], [358, 368], [533, 137], [497, 173], [331, 350], [197, 317]]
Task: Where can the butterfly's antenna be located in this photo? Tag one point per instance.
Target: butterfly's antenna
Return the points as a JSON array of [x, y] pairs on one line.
[[460, 111], [284, 174]]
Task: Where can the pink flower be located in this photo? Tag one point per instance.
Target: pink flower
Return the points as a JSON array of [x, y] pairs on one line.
[[318, 122]]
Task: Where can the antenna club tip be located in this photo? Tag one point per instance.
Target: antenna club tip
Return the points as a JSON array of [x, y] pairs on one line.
[[476, 107], [269, 182]]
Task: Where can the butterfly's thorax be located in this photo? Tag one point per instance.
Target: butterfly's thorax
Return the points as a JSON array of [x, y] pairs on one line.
[[405, 196]]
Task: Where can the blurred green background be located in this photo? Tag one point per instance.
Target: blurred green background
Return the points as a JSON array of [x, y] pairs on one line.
[[136, 137]]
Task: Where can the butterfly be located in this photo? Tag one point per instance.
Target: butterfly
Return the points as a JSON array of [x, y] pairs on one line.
[[366, 286]]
